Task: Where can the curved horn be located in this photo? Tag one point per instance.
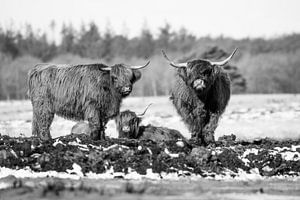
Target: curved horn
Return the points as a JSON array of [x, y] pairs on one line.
[[139, 66], [142, 114], [177, 65], [224, 62], [106, 68]]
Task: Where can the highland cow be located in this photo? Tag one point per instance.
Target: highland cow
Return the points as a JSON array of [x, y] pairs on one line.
[[91, 92], [128, 126], [200, 95]]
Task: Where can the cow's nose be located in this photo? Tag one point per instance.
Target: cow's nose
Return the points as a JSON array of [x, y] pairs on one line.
[[198, 84], [125, 128], [127, 89]]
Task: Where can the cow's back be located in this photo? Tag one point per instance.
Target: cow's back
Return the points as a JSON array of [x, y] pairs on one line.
[[219, 94], [69, 89], [159, 134], [39, 78]]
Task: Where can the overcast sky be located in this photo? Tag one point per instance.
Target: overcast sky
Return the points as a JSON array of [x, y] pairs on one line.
[[235, 18]]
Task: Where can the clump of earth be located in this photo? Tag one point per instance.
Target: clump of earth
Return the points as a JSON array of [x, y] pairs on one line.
[[182, 157]]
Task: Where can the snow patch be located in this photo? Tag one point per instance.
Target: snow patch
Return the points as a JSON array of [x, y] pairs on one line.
[[76, 173], [292, 156], [57, 141], [172, 155], [76, 170], [4, 185]]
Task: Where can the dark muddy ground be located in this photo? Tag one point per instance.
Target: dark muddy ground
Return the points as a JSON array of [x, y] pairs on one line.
[[269, 158]]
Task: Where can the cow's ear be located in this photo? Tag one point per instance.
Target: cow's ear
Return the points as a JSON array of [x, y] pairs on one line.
[[182, 73], [215, 70], [139, 119], [136, 75]]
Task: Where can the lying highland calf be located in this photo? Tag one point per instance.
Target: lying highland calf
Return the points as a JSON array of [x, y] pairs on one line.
[[91, 92], [200, 95], [81, 128], [128, 126]]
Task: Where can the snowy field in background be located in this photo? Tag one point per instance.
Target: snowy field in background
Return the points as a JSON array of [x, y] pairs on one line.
[[247, 116]]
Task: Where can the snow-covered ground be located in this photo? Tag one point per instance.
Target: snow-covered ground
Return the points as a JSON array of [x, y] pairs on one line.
[[247, 116]]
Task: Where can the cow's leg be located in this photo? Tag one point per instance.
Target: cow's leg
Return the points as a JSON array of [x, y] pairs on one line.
[[102, 130], [35, 125], [93, 116], [196, 119], [46, 121], [209, 128], [193, 114], [95, 126], [42, 120]]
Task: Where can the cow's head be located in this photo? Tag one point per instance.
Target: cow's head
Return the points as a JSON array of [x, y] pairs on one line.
[[199, 74], [123, 77], [128, 123]]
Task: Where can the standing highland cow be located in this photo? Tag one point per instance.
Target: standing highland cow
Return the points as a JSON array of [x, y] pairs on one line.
[[200, 94], [238, 81], [128, 126], [91, 92]]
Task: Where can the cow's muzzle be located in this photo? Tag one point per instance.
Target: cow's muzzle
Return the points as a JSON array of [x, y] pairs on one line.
[[199, 84], [126, 129], [126, 90]]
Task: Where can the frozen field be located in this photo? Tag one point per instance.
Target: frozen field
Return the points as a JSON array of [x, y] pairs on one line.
[[247, 116]]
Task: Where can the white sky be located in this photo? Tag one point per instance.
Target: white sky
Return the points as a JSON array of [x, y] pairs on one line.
[[235, 18]]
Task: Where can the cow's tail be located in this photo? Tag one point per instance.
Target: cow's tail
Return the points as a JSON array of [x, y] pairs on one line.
[[30, 83]]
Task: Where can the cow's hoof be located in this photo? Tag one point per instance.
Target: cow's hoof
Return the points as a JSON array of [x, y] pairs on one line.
[[197, 141], [45, 136], [211, 145], [103, 137], [95, 136]]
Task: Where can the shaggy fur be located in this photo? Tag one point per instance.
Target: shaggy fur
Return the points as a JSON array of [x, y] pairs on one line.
[[78, 92], [129, 121], [159, 134], [201, 108]]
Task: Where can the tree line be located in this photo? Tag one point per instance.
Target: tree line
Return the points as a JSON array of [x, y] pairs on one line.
[[261, 66]]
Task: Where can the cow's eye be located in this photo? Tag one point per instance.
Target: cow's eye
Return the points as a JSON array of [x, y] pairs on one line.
[[207, 72], [114, 78]]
